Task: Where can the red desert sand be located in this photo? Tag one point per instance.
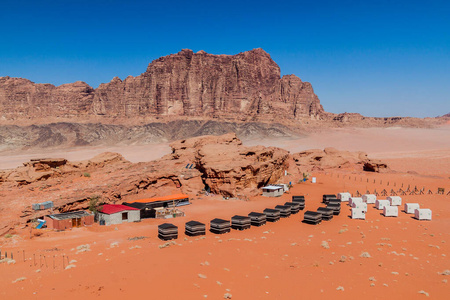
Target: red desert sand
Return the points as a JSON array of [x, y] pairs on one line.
[[377, 258]]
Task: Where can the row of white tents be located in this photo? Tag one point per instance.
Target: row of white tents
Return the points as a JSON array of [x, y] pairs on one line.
[[390, 206]]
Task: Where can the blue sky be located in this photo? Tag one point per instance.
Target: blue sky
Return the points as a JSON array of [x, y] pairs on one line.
[[378, 58]]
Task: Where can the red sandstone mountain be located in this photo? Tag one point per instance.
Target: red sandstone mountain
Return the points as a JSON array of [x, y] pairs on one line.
[[245, 86]]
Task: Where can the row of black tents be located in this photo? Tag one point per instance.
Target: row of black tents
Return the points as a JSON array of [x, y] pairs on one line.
[[169, 231]]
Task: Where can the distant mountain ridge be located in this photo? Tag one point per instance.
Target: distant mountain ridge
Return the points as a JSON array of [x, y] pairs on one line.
[[246, 87]]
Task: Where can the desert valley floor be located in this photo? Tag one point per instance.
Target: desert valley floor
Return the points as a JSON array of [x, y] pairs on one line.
[[377, 258]]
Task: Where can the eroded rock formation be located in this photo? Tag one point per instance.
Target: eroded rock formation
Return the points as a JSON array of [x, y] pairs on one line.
[[331, 158], [245, 86]]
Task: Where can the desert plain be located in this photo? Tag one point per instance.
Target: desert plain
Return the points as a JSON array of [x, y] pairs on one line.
[[377, 258]]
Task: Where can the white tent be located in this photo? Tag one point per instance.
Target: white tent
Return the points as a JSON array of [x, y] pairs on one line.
[[369, 198], [395, 200], [390, 211], [354, 200], [410, 208], [380, 204], [423, 214], [358, 213], [362, 206], [344, 197]]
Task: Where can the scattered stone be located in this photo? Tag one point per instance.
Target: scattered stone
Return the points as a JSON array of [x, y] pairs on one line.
[[70, 267], [325, 245], [424, 293], [343, 258], [372, 284], [83, 248], [219, 283], [340, 288], [168, 244], [72, 261], [137, 238], [446, 272], [385, 284], [227, 296], [343, 230], [115, 244], [372, 279], [19, 279], [365, 255], [7, 260], [201, 276], [394, 273], [294, 244]]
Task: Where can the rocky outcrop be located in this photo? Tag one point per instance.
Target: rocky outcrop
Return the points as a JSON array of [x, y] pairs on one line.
[[375, 166], [331, 158], [228, 168], [245, 86]]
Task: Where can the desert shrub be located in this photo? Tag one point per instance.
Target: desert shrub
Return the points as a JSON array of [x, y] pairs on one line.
[[95, 204]]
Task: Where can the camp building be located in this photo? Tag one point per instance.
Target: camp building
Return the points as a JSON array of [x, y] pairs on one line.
[[273, 190], [149, 207], [69, 220], [117, 214]]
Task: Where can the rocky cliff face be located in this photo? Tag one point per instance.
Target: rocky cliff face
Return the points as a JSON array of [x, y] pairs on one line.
[[23, 99], [246, 86]]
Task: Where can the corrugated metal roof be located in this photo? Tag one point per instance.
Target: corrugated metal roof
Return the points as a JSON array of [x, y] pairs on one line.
[[272, 187], [115, 208], [70, 215]]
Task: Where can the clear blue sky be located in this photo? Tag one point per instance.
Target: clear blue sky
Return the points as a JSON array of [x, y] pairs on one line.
[[378, 58]]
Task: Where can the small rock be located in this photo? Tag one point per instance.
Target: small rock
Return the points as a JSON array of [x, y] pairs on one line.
[[340, 288], [424, 293], [227, 296], [70, 267], [325, 245], [365, 255], [19, 279], [201, 276]]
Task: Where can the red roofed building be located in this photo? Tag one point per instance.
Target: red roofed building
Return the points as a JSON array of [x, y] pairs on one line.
[[111, 214]]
